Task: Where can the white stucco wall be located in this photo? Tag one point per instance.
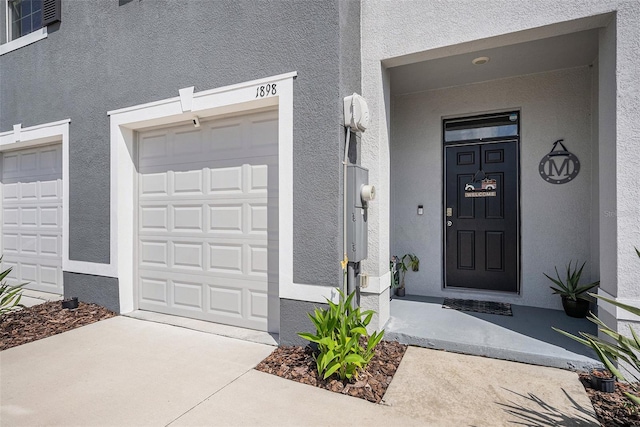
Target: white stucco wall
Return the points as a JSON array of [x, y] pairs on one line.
[[555, 219], [397, 33]]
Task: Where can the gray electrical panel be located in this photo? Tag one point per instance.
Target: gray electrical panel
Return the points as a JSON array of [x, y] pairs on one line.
[[357, 215]]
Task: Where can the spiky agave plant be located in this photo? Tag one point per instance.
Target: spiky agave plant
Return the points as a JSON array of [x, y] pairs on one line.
[[570, 286], [620, 348]]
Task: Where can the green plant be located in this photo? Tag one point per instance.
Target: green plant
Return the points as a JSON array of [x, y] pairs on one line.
[[408, 261], [620, 348], [570, 287], [413, 263], [338, 332], [395, 276], [9, 295]]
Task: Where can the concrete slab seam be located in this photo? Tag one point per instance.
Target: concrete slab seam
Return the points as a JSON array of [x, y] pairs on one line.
[[210, 396]]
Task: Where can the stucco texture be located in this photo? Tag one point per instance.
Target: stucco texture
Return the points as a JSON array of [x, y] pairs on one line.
[[107, 55]]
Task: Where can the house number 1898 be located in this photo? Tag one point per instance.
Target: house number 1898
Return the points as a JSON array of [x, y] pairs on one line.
[[262, 91]]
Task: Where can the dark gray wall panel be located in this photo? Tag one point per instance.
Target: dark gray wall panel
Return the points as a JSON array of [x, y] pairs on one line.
[[107, 55], [96, 289], [294, 319]]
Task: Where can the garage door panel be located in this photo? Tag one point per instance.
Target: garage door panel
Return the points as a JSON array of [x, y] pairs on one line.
[[258, 261], [226, 218], [10, 163], [187, 218], [10, 217], [50, 245], [28, 217], [223, 138], [29, 272], [10, 242], [153, 147], [225, 300], [258, 305], [188, 295], [154, 253], [49, 160], [154, 184], [29, 244], [50, 189], [49, 216], [13, 277], [258, 178], [29, 191], [259, 222], [204, 196], [188, 182], [10, 192], [225, 258], [187, 143], [29, 163], [188, 255], [154, 218], [49, 275], [153, 290], [226, 180]]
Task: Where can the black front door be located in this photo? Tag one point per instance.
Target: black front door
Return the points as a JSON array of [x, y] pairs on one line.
[[481, 215]]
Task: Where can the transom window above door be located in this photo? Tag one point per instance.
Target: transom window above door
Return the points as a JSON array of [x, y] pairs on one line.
[[481, 128]]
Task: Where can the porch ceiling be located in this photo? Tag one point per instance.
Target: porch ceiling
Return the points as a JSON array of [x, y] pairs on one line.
[[566, 51]]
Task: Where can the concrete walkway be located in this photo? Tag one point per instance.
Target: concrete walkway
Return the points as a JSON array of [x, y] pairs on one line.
[[125, 371], [524, 337]]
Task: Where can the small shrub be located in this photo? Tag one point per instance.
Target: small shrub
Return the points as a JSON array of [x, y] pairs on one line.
[[338, 332], [9, 295]]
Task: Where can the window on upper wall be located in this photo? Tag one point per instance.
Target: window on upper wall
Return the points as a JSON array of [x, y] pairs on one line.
[[23, 17], [26, 22]]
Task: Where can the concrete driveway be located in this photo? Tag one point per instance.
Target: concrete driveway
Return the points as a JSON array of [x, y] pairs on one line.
[[129, 372]]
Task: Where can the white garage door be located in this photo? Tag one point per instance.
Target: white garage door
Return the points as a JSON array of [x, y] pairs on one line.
[[207, 221], [32, 217]]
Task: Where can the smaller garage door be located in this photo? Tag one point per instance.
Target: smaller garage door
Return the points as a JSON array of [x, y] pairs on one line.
[[207, 221], [32, 217]]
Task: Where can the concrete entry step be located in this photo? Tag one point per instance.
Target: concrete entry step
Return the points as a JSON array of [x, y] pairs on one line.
[[524, 337]]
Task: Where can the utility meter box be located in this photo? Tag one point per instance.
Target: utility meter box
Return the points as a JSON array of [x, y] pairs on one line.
[[356, 113], [359, 194]]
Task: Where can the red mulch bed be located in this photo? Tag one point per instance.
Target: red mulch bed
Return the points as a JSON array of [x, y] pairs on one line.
[[298, 364], [612, 409], [44, 320]]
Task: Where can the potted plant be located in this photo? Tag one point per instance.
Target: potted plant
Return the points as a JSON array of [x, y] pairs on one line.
[[602, 380], [399, 268], [574, 299]]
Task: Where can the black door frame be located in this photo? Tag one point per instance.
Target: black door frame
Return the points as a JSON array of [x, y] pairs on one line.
[[482, 141]]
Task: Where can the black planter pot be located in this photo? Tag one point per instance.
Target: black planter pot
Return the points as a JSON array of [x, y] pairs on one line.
[[400, 292], [579, 308], [608, 385], [70, 303]]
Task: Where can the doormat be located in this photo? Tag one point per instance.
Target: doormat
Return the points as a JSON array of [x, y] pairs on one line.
[[488, 307]]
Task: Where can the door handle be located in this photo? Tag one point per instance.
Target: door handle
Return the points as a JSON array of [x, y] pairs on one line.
[[449, 223]]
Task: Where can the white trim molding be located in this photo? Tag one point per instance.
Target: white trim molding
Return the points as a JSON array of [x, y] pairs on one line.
[[50, 133], [34, 136], [206, 104], [23, 41], [617, 312]]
